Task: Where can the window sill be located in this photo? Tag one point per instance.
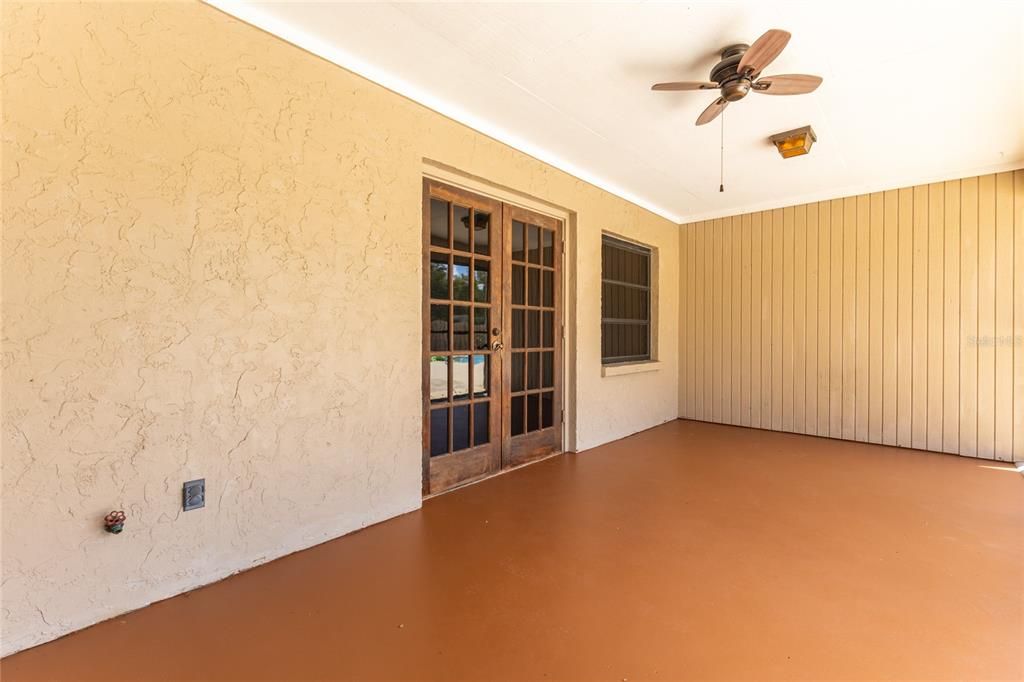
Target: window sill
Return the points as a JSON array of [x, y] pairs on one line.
[[630, 368]]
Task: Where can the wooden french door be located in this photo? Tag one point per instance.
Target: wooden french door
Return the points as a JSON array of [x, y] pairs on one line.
[[492, 340]]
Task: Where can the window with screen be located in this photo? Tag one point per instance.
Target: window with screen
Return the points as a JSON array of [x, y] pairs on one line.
[[625, 301]]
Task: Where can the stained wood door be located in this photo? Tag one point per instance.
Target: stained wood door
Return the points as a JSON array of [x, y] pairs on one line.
[[492, 336], [462, 365], [532, 421]]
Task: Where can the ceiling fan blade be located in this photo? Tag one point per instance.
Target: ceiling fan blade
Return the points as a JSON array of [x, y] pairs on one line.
[[764, 51], [713, 110], [685, 85], [789, 84]]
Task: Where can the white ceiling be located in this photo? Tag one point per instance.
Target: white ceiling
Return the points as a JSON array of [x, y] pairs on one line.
[[912, 92]]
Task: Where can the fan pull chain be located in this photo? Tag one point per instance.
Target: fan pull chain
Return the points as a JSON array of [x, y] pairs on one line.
[[721, 158]]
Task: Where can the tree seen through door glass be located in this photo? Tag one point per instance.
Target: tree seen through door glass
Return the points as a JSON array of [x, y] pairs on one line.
[[481, 284], [460, 279], [438, 275]]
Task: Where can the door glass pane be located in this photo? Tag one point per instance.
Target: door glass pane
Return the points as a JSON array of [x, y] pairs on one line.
[[518, 328], [438, 327], [518, 241], [438, 432], [438, 275], [532, 412], [549, 248], [482, 233], [481, 375], [460, 228], [516, 415], [549, 289], [533, 328], [481, 283], [460, 279], [533, 287], [533, 371], [517, 371], [460, 427], [518, 285], [548, 373], [533, 235], [549, 329], [439, 223], [480, 326], [460, 328], [460, 377], [481, 423], [438, 378], [547, 409]]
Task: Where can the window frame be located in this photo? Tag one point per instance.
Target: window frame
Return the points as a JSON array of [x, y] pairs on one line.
[[648, 252]]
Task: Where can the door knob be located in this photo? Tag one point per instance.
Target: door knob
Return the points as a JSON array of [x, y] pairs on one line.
[[497, 345]]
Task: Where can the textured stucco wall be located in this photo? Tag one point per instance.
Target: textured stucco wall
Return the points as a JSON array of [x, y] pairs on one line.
[[211, 268]]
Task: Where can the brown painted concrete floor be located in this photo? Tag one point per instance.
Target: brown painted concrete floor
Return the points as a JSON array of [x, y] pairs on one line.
[[687, 551]]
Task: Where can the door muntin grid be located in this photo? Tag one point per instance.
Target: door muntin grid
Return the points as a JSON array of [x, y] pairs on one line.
[[532, 317], [461, 308]]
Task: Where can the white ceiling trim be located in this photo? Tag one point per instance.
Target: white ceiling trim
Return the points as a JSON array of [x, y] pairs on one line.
[[260, 19]]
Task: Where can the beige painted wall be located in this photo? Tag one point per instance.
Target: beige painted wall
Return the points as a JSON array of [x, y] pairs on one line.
[[211, 268], [895, 317]]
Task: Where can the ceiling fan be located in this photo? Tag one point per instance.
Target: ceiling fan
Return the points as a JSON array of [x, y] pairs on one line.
[[739, 72]]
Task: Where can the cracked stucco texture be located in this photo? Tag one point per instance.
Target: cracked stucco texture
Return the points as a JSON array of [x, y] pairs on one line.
[[211, 268]]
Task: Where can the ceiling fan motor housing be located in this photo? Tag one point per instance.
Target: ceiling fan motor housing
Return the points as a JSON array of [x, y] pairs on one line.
[[734, 85]]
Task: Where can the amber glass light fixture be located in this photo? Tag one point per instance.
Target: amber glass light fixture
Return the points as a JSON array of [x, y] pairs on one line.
[[794, 142]]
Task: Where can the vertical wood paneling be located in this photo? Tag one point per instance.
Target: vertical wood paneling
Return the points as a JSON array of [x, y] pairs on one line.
[[715, 268], [835, 406], [799, 353], [1003, 337], [811, 324], [936, 312], [969, 317], [824, 315], [951, 320], [919, 408], [746, 241], [776, 317], [767, 246], [756, 338], [691, 324], [788, 268], [890, 279], [986, 316], [875, 318], [1018, 316], [862, 346], [849, 342], [724, 322], [895, 317], [905, 319], [735, 310], [700, 326]]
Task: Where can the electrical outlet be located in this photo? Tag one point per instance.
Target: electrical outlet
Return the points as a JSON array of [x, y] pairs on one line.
[[193, 494]]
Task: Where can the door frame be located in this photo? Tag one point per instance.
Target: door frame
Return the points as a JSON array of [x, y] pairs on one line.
[[457, 179]]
